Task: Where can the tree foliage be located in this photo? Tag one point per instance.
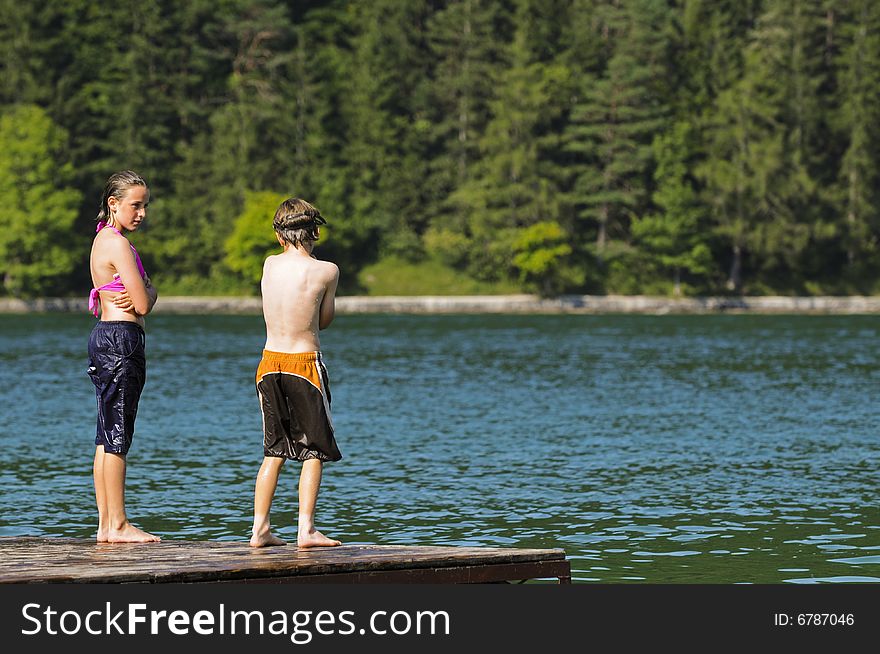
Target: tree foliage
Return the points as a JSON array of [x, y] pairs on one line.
[[253, 237], [693, 146], [38, 206]]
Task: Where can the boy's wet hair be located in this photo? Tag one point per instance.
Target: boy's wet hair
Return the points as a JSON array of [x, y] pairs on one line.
[[296, 222], [115, 187]]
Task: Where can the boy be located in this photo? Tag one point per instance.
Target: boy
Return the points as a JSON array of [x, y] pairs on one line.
[[298, 300]]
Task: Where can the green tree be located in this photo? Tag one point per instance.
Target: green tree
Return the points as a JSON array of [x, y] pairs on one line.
[[387, 135], [584, 36], [543, 257], [674, 237], [707, 57], [612, 124], [38, 208], [113, 93], [744, 154], [24, 33], [228, 141], [860, 117], [315, 164], [515, 185], [464, 38], [759, 153], [253, 238], [245, 138]]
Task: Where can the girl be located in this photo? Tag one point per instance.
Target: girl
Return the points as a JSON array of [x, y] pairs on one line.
[[117, 364]]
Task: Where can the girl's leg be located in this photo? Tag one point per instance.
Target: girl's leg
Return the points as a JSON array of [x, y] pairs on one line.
[[100, 496], [119, 529]]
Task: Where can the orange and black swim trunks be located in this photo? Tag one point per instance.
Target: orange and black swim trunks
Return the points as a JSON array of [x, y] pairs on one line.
[[294, 392]]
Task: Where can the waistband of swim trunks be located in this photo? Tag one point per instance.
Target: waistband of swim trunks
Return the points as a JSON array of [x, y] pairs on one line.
[[118, 324], [293, 357]]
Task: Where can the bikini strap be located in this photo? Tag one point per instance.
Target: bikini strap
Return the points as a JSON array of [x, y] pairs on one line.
[[137, 260]]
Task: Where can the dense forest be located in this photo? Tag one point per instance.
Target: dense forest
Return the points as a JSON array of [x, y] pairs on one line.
[[550, 146]]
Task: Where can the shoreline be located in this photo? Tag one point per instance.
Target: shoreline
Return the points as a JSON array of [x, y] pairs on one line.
[[500, 304]]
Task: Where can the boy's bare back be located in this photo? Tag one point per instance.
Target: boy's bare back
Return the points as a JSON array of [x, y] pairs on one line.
[[299, 297]]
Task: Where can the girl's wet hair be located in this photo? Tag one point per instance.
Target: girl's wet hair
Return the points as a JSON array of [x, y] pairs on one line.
[[117, 184], [297, 221]]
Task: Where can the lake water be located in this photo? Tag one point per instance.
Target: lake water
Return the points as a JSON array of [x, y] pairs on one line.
[[652, 449]]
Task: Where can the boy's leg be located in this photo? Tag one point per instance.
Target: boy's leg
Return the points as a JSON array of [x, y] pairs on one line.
[[264, 492], [309, 483], [119, 529]]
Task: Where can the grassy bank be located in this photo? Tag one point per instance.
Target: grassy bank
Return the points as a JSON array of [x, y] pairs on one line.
[[393, 276]]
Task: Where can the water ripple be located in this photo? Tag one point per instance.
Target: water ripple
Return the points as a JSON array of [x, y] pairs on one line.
[[699, 449]]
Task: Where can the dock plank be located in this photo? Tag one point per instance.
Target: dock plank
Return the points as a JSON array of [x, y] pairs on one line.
[[71, 560]]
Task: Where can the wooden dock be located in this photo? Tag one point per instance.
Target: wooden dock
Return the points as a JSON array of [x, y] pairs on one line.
[[31, 560]]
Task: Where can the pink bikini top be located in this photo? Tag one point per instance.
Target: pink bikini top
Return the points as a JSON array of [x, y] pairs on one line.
[[116, 285]]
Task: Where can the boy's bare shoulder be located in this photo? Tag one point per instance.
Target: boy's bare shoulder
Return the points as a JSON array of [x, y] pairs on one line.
[[269, 261], [330, 268]]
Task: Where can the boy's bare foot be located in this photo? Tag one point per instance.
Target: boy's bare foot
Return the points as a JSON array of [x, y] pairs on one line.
[[266, 539], [314, 538], [130, 534]]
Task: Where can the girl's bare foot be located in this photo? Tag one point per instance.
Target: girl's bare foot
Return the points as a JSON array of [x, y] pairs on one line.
[[314, 538], [101, 537], [265, 539], [130, 534]]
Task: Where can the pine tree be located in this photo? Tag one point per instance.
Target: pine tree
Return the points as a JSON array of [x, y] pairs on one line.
[[514, 186], [24, 37], [673, 238], [860, 169], [585, 36], [708, 55], [464, 39], [244, 144], [760, 146], [222, 71], [613, 123], [387, 142], [318, 129]]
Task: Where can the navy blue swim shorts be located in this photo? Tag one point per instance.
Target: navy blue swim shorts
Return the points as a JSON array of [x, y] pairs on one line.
[[118, 368]]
